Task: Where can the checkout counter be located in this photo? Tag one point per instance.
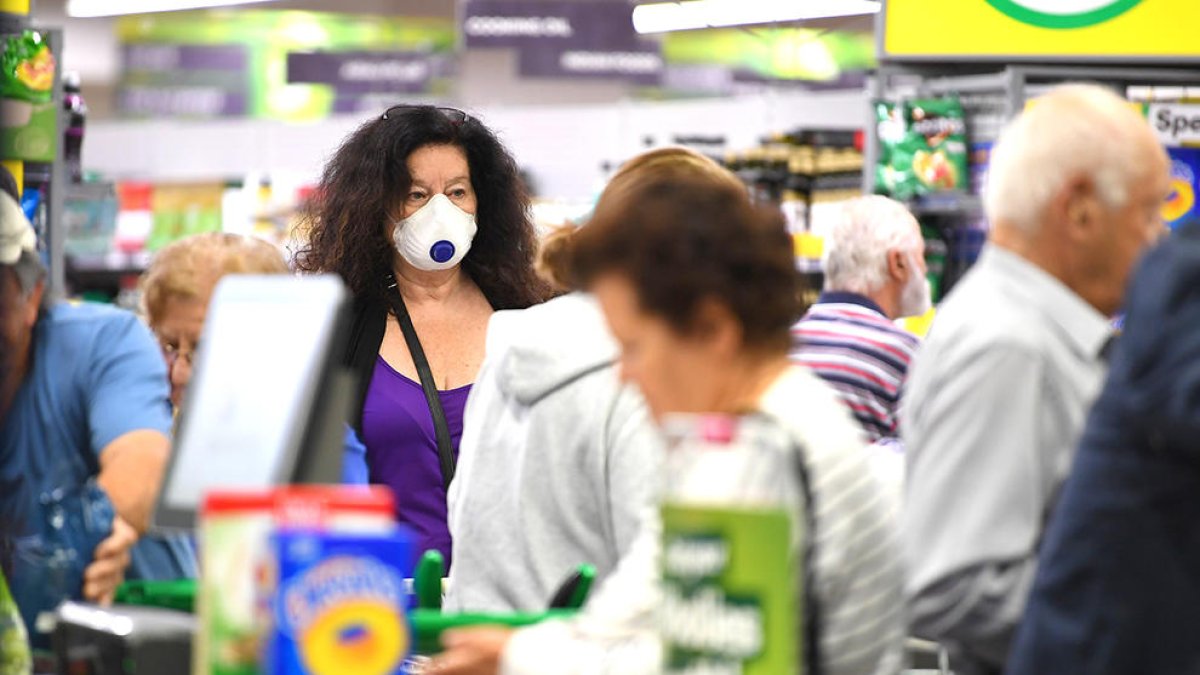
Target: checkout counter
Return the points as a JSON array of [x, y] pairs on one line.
[[152, 627]]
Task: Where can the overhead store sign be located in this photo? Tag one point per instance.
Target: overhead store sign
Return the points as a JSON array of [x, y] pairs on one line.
[[1074, 30], [770, 54], [565, 38], [1177, 124], [361, 72], [640, 65], [288, 65], [184, 80]]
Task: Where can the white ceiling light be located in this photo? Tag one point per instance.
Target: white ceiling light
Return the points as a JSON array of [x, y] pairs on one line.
[[92, 8], [670, 16]]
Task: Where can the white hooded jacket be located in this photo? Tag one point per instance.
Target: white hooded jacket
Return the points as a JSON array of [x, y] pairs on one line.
[[558, 462]]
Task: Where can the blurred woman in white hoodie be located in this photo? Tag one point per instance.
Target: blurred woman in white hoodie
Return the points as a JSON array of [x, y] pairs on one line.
[[700, 291], [559, 461]]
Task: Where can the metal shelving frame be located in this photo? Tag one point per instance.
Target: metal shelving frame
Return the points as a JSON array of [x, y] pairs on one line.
[[56, 173]]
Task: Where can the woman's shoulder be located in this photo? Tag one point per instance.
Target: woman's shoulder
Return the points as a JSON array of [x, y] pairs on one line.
[[801, 399], [815, 417]]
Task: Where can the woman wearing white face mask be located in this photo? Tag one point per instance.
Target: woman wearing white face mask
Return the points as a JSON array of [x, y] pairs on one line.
[[422, 213]]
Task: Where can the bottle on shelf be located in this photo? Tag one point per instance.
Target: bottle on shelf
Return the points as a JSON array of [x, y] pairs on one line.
[[76, 109]]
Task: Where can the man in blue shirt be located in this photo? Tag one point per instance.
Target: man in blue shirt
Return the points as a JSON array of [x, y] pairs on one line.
[[84, 423]]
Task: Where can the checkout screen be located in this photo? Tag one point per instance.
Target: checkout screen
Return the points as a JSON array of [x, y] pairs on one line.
[[255, 381]]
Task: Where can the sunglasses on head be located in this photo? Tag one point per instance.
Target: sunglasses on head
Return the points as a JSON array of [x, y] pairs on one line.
[[456, 116]]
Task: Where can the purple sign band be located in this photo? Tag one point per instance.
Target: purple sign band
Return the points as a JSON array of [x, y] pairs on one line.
[[157, 58], [182, 101], [361, 72], [642, 66], [595, 25]]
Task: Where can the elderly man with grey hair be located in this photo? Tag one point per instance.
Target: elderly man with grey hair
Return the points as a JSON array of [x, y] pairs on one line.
[[84, 418], [874, 274], [999, 391]]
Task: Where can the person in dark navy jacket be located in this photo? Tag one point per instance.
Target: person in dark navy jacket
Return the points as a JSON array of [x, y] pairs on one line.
[[1118, 588]]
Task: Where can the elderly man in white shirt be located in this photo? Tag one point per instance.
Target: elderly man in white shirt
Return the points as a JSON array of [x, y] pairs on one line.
[[998, 393]]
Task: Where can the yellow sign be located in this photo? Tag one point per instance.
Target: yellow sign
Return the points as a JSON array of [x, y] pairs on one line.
[[14, 6], [1163, 30]]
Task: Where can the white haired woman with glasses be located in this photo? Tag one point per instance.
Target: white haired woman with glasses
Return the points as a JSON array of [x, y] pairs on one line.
[[181, 280], [423, 214]]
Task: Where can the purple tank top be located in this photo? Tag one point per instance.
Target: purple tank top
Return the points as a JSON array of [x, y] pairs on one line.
[[402, 451]]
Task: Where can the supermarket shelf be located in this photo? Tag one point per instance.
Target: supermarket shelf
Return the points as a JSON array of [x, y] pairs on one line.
[[107, 271], [993, 94], [114, 262], [38, 173], [13, 23], [809, 266], [947, 204]]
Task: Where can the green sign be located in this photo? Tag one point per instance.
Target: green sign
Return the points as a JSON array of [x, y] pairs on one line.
[[730, 591], [779, 53]]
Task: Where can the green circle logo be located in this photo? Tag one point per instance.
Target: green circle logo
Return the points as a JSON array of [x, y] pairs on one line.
[[1063, 13]]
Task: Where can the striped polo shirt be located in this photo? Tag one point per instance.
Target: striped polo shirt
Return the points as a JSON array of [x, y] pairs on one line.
[[847, 340]]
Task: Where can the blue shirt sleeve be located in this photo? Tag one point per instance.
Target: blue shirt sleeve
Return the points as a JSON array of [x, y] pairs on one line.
[[127, 386], [354, 464]]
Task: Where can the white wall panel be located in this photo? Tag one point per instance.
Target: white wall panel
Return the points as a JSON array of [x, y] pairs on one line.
[[562, 145]]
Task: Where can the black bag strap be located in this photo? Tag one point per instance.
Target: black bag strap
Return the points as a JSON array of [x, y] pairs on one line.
[[812, 607], [441, 428]]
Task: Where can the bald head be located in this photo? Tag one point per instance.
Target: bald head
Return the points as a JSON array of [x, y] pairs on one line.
[[1076, 186], [1077, 132]]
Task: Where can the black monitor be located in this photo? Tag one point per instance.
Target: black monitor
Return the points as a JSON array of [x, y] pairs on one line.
[[269, 398]]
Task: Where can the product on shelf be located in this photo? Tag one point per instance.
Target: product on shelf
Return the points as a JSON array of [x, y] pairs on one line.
[[942, 163], [26, 72], [135, 217], [802, 171], [76, 110], [805, 173], [89, 218], [894, 173], [183, 210], [936, 251], [923, 147], [981, 157], [1180, 206], [28, 116]]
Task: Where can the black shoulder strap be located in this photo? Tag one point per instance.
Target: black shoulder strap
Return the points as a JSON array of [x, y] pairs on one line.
[[440, 428], [368, 323], [812, 606]]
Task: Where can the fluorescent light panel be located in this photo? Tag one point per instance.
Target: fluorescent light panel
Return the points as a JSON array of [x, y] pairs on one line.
[[671, 16], [93, 8]]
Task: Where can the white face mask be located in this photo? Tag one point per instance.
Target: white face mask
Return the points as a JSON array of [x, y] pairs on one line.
[[437, 236], [915, 298]]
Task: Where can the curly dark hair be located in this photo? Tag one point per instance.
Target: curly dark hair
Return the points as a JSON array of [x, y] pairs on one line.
[[682, 240], [367, 179]]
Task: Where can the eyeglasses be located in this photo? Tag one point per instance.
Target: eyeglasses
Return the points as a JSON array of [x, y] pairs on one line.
[[456, 116], [172, 353]]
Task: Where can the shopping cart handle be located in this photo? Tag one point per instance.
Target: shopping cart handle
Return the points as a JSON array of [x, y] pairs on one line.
[[574, 591], [427, 580]]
